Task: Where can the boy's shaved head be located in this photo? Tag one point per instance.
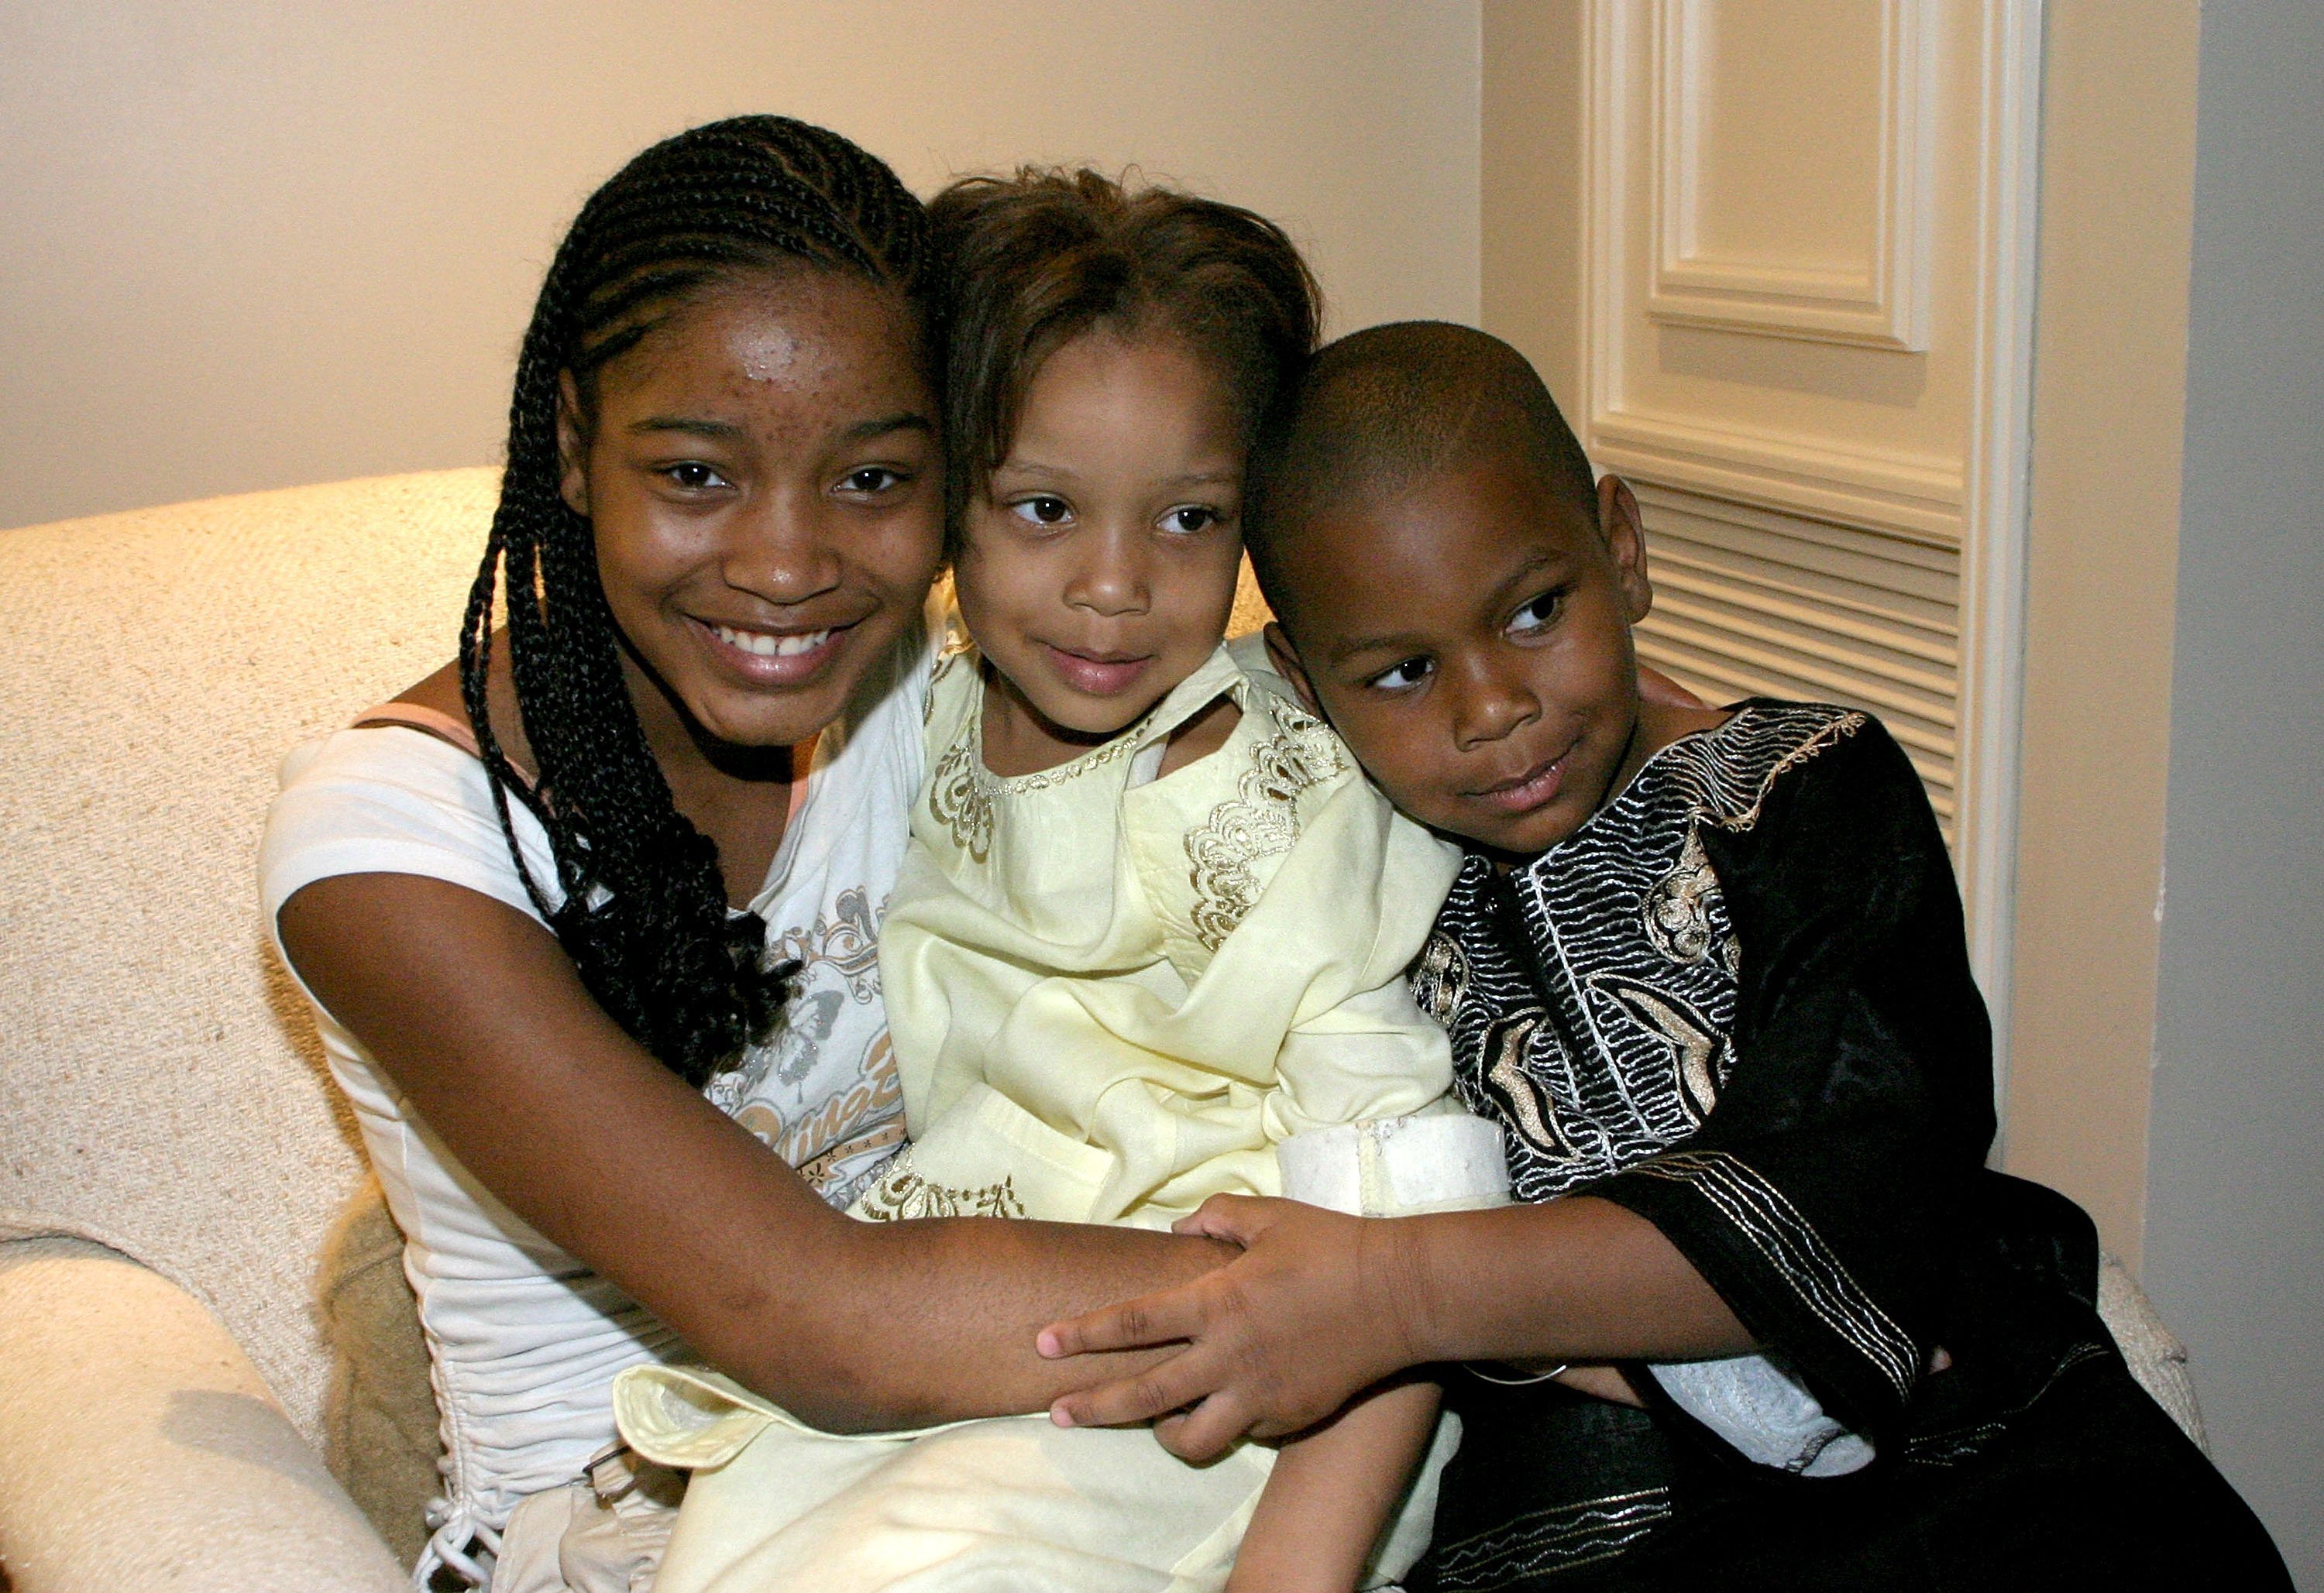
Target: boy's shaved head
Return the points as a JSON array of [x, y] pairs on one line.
[[1452, 591], [1386, 408]]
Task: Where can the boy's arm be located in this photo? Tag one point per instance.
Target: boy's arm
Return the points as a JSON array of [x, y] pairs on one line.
[[1332, 1494], [1821, 1203], [1831, 1193], [1320, 1305]]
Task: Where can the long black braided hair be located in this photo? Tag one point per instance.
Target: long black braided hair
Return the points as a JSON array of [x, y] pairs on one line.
[[643, 911]]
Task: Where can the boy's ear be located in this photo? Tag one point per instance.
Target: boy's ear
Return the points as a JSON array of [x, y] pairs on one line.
[[572, 447], [1626, 543], [1287, 664]]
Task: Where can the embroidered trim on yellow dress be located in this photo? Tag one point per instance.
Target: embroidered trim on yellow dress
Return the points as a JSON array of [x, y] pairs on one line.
[[960, 792], [902, 1194], [1260, 820], [947, 660]]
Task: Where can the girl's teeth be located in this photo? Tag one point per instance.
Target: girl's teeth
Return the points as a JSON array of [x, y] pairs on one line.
[[771, 647]]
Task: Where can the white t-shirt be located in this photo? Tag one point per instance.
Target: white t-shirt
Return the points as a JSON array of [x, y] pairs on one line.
[[524, 1340]]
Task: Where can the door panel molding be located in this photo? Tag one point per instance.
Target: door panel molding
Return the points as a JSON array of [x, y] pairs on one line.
[[1917, 495], [1878, 294], [1999, 454]]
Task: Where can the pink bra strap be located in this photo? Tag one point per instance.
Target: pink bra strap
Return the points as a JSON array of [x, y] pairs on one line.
[[802, 762], [433, 722]]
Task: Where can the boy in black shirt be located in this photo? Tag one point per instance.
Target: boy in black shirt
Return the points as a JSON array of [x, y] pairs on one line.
[[1762, 1317]]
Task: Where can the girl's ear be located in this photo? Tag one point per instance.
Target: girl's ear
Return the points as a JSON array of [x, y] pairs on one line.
[[572, 447], [1626, 543], [1287, 664]]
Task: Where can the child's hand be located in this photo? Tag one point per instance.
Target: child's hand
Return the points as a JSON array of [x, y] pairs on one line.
[[1309, 1315]]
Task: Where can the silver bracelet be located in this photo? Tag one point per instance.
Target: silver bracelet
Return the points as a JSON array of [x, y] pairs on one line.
[[1522, 1379]]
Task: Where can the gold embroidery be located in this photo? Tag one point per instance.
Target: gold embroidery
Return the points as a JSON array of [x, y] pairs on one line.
[[1763, 1215], [961, 791], [1845, 725], [902, 1194], [947, 660], [1698, 1050], [1677, 909], [961, 802], [1260, 820], [1533, 1111], [1440, 977]]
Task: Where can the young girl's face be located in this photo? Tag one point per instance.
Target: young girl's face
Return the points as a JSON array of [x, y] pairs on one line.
[[1098, 563], [762, 476]]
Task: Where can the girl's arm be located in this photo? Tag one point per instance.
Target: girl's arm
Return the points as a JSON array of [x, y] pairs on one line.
[[478, 1014], [1332, 1494], [1320, 1306]]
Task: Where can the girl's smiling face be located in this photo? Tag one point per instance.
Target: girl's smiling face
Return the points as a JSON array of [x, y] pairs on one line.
[[1098, 563], [762, 475]]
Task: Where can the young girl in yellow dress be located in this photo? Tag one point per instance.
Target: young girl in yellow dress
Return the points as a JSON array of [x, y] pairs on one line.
[[1148, 945]]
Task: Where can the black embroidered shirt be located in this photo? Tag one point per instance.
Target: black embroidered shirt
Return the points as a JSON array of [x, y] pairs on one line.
[[1737, 1001]]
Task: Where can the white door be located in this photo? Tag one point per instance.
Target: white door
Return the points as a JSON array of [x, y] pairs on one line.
[[1807, 283]]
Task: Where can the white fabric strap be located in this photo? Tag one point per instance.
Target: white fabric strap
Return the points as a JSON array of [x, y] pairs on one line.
[[1397, 1166], [459, 1542]]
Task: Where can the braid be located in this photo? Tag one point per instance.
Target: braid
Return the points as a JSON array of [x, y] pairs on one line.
[[641, 905]]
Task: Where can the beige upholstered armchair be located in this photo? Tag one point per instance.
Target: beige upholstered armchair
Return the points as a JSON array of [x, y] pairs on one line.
[[182, 1404], [172, 1158]]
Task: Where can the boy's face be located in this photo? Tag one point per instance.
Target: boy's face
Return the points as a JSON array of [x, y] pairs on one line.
[[1469, 636]]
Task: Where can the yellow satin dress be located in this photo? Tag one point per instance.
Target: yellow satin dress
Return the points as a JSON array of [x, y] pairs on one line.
[[1111, 996]]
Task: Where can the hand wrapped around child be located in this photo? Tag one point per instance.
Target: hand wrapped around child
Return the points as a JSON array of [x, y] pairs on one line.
[[1276, 1340], [1320, 1306]]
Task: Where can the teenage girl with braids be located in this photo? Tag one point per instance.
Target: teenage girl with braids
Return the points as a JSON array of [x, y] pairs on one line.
[[588, 921], [1153, 925]]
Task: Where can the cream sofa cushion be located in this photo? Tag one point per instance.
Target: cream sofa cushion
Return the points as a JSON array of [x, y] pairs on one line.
[[143, 1453], [380, 1431], [161, 1088]]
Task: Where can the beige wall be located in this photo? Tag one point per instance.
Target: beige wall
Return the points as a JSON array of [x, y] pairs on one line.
[[1530, 147], [245, 246], [2109, 406]]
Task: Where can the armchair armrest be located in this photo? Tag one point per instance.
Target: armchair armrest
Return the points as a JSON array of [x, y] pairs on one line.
[[144, 1452]]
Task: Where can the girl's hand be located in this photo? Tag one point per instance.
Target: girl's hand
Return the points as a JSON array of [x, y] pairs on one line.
[[1310, 1314]]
